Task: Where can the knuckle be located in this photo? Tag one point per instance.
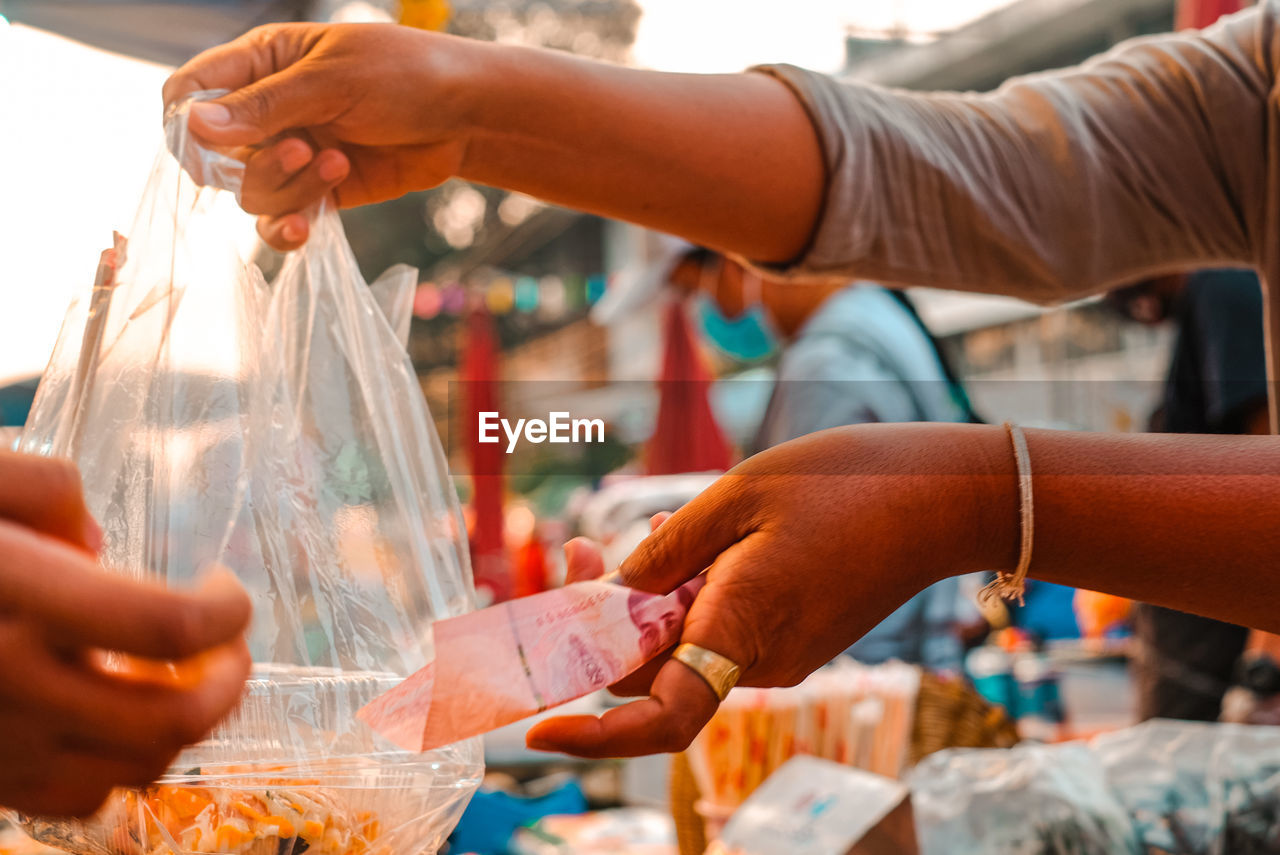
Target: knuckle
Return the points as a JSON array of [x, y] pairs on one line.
[[257, 101], [262, 34], [263, 37], [266, 34]]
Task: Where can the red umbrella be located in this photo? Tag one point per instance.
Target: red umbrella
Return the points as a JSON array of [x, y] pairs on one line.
[[1197, 14], [686, 437], [479, 373]]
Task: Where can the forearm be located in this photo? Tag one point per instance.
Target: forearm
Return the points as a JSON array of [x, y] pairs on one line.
[[728, 161], [1188, 522]]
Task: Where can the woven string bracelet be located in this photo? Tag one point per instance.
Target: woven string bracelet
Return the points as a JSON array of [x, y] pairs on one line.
[[1013, 586]]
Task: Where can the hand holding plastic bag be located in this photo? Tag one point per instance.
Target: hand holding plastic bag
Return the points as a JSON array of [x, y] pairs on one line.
[[279, 431]]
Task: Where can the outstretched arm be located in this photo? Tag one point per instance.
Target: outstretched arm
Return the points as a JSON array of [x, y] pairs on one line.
[[813, 542], [1152, 158], [729, 161]]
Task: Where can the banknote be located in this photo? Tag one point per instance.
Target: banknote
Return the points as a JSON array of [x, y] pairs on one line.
[[518, 658]]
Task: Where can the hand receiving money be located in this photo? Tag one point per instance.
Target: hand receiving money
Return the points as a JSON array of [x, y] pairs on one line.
[[641, 727], [585, 561], [518, 658]]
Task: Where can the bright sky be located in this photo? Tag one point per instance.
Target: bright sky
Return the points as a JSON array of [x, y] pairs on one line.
[[728, 35], [81, 128]]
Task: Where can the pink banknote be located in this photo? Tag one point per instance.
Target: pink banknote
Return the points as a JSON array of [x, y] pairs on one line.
[[518, 658]]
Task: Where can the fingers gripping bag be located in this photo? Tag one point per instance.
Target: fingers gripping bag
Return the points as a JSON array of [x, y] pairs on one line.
[[278, 431]]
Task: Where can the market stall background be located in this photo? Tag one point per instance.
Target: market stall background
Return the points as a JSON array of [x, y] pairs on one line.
[[85, 126], [85, 120], [85, 108]]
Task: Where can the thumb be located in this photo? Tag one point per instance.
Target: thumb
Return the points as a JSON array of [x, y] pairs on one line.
[[283, 101], [684, 544]]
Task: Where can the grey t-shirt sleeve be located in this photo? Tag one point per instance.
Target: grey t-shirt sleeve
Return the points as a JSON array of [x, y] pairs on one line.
[[1156, 157]]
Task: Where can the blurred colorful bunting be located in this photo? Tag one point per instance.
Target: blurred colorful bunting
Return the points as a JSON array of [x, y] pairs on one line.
[[526, 294], [426, 301]]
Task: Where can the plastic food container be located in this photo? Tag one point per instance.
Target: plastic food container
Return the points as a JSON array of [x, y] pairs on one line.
[[243, 790]]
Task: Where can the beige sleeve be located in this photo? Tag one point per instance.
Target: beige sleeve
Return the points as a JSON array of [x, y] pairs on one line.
[[1160, 155]]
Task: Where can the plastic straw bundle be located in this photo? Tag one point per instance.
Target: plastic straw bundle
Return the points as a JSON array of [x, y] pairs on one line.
[[854, 714]]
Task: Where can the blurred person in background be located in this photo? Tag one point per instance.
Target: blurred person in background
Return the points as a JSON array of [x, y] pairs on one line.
[[1160, 156], [1216, 384], [852, 353]]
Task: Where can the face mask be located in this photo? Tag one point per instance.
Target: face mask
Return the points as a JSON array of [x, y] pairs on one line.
[[749, 337]]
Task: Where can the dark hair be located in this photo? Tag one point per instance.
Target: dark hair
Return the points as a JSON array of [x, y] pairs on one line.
[[635, 600]]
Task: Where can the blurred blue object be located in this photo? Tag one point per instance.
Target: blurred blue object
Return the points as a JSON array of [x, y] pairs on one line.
[[15, 402], [1049, 613], [596, 286], [492, 817], [991, 670]]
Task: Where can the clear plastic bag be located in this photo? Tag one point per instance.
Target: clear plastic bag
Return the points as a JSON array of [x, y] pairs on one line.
[[1196, 788], [279, 431], [1026, 800]]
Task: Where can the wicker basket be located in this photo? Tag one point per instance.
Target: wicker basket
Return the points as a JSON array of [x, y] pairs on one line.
[[949, 714]]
